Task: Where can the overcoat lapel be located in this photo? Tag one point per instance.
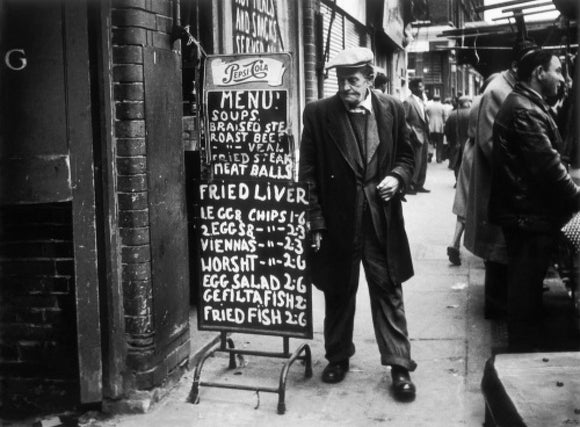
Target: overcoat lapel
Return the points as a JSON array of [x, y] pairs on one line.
[[341, 133], [411, 100], [384, 118]]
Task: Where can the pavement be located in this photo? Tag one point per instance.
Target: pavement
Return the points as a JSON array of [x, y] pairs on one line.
[[450, 341], [449, 337]]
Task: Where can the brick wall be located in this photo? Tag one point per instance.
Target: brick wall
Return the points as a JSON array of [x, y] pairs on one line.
[[138, 24], [38, 368]]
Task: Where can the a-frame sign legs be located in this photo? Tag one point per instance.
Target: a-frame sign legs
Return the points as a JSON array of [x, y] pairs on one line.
[[226, 345]]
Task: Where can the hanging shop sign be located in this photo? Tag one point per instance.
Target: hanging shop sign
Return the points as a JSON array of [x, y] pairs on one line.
[[393, 24], [255, 26]]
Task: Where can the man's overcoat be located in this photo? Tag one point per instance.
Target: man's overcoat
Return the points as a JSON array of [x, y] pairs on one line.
[[483, 238], [330, 162]]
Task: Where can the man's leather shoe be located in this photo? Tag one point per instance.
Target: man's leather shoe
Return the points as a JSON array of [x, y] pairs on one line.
[[403, 387], [422, 190], [411, 191], [335, 372]]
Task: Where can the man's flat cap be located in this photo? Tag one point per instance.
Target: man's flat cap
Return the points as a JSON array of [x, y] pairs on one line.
[[351, 58]]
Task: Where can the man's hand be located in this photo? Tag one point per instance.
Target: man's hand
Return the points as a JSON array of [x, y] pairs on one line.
[[388, 187], [316, 240]]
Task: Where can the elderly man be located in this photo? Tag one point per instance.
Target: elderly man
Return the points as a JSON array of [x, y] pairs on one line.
[[419, 124], [357, 158], [532, 194]]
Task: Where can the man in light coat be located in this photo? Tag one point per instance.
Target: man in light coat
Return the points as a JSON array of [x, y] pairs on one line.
[[435, 112], [482, 238], [356, 156]]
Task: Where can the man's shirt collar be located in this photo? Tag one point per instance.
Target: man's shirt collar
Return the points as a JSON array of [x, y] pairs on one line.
[[367, 102], [534, 94], [418, 99]]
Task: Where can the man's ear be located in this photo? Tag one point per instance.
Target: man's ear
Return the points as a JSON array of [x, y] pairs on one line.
[[539, 72], [514, 66]]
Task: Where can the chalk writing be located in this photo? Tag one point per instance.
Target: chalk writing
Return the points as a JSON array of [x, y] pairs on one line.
[[253, 261], [248, 134]]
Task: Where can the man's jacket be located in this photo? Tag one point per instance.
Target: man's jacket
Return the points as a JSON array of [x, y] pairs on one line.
[[331, 164], [435, 114], [417, 121], [530, 188]]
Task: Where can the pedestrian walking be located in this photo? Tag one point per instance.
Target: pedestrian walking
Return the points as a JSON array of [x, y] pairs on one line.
[[456, 132], [532, 195], [381, 82], [459, 208], [357, 158], [435, 115], [418, 123], [447, 109]]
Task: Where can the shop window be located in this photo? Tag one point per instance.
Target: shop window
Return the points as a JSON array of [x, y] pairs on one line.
[[411, 61]]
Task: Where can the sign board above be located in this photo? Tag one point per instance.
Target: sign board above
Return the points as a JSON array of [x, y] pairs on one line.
[[248, 70], [262, 70], [246, 109]]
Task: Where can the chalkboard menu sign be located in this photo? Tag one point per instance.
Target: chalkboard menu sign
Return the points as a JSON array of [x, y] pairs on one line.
[[246, 106], [253, 261], [252, 215]]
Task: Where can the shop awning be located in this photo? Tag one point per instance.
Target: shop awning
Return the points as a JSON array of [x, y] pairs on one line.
[[488, 47]]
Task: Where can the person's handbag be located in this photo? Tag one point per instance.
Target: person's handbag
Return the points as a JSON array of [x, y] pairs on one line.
[[571, 232]]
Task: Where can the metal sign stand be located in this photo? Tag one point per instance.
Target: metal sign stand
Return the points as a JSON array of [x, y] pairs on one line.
[[226, 345]]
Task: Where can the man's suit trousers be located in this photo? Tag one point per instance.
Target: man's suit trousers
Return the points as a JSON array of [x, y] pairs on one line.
[[387, 308], [421, 155]]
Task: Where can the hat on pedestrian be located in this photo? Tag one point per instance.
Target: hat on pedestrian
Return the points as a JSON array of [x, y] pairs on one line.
[[524, 47], [353, 57]]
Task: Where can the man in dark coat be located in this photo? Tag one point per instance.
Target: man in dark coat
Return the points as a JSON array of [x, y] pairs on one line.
[[357, 158], [532, 194], [418, 122]]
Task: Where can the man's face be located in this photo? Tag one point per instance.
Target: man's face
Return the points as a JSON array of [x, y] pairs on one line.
[[352, 86], [551, 78], [418, 90]]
